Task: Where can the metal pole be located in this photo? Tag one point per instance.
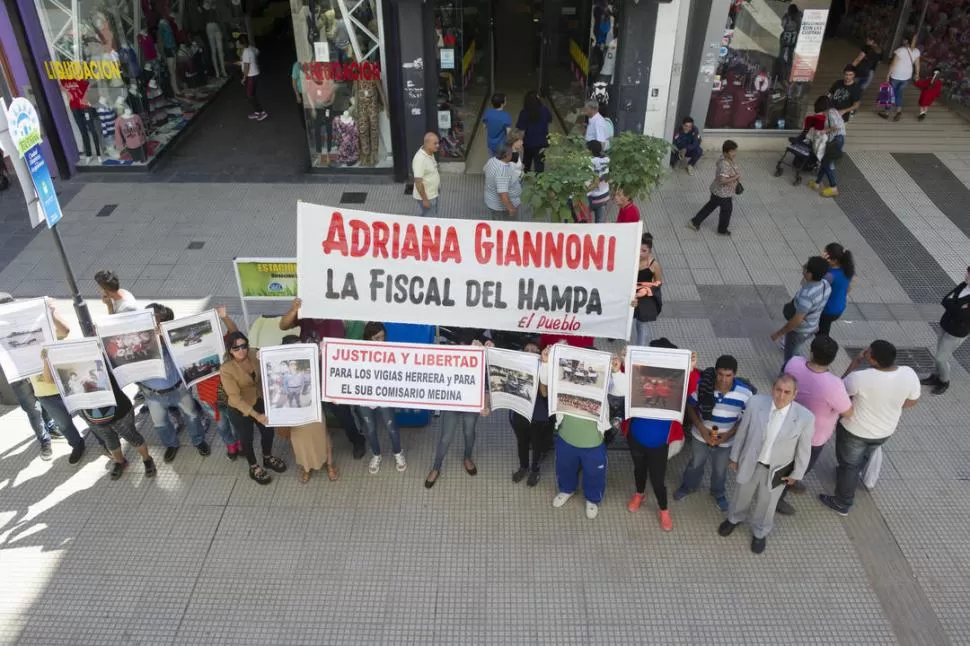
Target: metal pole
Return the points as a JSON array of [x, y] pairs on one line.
[[80, 306], [922, 20]]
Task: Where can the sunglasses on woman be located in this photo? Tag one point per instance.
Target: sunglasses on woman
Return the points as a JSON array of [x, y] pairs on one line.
[[241, 346]]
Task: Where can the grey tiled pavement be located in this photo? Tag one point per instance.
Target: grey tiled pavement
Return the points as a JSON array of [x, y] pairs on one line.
[[203, 555]]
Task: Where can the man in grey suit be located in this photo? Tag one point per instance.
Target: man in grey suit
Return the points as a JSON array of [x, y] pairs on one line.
[[773, 443]]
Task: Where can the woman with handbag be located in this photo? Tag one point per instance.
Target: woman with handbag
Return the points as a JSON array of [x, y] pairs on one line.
[[726, 184], [242, 382], [652, 443], [835, 130], [648, 301], [903, 67]]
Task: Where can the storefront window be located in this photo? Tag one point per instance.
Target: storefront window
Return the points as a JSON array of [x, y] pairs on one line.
[[339, 73], [131, 75], [461, 50], [767, 64]]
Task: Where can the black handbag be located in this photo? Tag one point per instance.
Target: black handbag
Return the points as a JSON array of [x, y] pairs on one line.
[[788, 310], [739, 189]]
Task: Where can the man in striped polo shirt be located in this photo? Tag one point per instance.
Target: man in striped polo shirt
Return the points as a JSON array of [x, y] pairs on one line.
[[714, 410], [503, 187]]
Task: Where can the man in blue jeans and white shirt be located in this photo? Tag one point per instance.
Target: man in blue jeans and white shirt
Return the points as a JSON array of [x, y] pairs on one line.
[[714, 410], [167, 392]]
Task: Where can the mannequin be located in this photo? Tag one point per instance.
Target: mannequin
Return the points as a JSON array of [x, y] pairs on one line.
[[302, 33], [84, 115], [135, 100], [169, 47], [214, 33], [146, 46], [319, 101], [369, 99], [106, 117], [346, 138], [130, 135]]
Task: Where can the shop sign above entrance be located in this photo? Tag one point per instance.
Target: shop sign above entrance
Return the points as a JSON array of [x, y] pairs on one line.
[[333, 71]]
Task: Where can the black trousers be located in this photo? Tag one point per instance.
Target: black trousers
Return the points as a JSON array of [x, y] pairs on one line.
[[726, 204], [245, 428], [652, 463], [825, 323], [536, 436], [252, 91], [88, 124], [345, 415], [323, 121], [535, 156]]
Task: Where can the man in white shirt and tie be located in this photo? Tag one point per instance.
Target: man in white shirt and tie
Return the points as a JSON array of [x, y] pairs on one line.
[[771, 449]]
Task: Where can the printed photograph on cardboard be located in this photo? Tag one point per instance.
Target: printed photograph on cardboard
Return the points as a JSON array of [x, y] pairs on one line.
[[289, 383], [22, 339], [191, 334], [580, 406], [581, 373], [84, 377], [510, 381], [123, 349], [657, 387], [200, 369], [25, 326]]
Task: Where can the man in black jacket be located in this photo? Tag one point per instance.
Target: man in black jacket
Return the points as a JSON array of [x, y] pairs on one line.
[[955, 326]]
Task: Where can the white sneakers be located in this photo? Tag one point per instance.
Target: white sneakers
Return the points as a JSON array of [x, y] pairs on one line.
[[561, 499], [375, 465], [592, 509]]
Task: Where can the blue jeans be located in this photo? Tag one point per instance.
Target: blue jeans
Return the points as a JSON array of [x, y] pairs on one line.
[[451, 422], [372, 420], [223, 427], [571, 459], [158, 405], [853, 454], [430, 211], [641, 330], [867, 79], [58, 412], [898, 91], [699, 454], [24, 393], [598, 211], [826, 166], [692, 154]]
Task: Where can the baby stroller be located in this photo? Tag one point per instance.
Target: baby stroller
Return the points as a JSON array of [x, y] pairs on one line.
[[803, 159]]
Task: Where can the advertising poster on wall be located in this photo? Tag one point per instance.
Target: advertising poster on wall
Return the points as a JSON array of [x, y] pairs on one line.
[[658, 382], [578, 382], [25, 327], [291, 383], [266, 278], [132, 346], [519, 276], [513, 380], [80, 370], [808, 47], [195, 343], [404, 375]]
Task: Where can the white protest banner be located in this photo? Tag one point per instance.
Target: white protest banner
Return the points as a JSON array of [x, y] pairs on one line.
[[513, 380], [195, 343], [521, 276], [404, 375], [25, 327], [658, 382], [80, 371], [291, 383], [578, 383], [132, 346]]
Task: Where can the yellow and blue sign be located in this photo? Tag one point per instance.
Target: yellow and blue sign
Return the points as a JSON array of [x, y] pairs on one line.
[[25, 132]]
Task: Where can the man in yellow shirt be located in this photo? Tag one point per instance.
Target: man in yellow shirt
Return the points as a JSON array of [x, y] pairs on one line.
[[427, 181]]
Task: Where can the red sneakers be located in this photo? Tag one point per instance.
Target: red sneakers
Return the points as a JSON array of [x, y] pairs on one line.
[[635, 502], [666, 523]]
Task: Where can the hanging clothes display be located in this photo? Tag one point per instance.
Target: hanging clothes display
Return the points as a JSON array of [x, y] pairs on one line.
[[346, 139], [367, 97]]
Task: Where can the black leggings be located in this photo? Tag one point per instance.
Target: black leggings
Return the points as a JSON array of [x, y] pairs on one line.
[[726, 206], [534, 435], [245, 429], [323, 124], [534, 156], [652, 462], [825, 323]]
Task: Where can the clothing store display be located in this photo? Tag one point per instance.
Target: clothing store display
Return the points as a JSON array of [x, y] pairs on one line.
[[322, 123], [303, 27], [129, 62], [87, 123], [147, 46], [214, 33], [166, 35], [368, 101], [75, 93], [346, 138], [129, 132]]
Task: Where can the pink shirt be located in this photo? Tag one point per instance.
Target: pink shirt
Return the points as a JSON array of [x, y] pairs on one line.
[[820, 392]]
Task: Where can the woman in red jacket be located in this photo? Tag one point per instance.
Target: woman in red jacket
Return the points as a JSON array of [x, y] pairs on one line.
[[930, 90]]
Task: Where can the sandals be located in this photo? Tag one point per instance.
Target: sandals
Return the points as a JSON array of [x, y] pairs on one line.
[[304, 476], [332, 473], [259, 474], [429, 481], [274, 463]]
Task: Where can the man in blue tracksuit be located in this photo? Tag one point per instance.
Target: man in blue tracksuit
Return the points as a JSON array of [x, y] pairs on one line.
[[687, 142]]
